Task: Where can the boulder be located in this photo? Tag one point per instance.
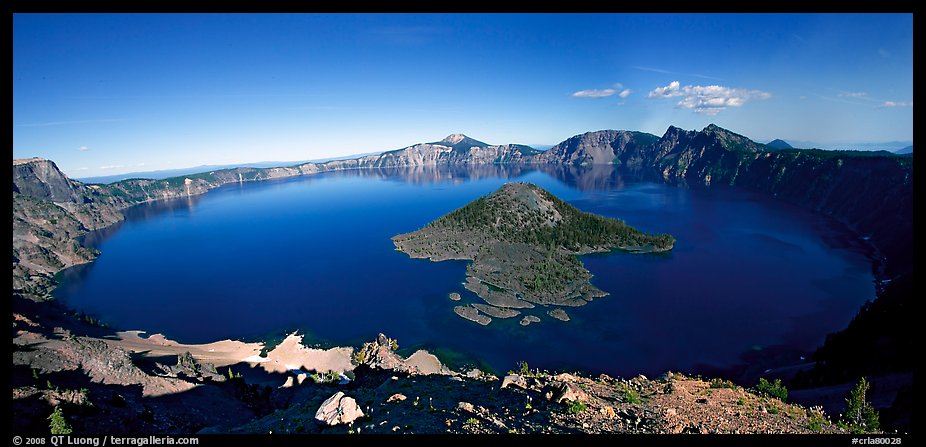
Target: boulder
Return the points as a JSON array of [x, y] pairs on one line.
[[514, 380], [560, 391], [338, 409]]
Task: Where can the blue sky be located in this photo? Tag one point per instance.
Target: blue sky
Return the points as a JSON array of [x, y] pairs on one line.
[[102, 94]]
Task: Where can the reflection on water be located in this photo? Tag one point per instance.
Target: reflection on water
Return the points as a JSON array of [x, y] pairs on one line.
[[429, 174]]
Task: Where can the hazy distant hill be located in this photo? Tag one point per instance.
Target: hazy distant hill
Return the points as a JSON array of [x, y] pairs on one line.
[[779, 144], [168, 173], [906, 150]]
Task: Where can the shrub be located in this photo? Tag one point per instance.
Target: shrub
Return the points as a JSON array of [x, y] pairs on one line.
[[471, 422], [773, 389], [575, 407], [523, 369], [630, 395], [816, 419], [860, 416], [59, 425], [722, 383]]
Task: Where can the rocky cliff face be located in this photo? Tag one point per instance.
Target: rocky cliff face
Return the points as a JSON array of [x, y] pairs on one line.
[[602, 147], [49, 212], [456, 149], [871, 192]]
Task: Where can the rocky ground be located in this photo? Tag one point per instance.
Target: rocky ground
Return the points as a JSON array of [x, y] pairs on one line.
[[388, 401], [102, 387]]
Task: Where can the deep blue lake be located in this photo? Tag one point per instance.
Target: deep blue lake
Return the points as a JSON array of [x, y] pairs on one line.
[[748, 273]]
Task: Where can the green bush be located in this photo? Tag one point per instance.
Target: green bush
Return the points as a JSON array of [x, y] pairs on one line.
[[722, 383], [59, 425], [773, 389], [575, 407], [816, 419], [630, 395], [860, 416]]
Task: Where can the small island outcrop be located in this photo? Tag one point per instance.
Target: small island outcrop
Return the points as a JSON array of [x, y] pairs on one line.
[[523, 242]]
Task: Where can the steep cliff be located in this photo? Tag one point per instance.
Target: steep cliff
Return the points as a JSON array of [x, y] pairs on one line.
[[872, 192], [602, 147], [456, 149]]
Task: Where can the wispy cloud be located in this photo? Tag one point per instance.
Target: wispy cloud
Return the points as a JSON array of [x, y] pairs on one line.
[[897, 104], [625, 93], [110, 166], [83, 148], [707, 99], [64, 123], [664, 71], [594, 93], [852, 94], [884, 53], [862, 99]]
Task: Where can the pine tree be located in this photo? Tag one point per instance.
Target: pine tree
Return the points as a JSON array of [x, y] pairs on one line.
[[860, 416], [58, 425]]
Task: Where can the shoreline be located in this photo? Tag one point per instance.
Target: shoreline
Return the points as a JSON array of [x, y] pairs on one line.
[[878, 263]]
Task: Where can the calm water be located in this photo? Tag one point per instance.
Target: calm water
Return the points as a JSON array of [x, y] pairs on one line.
[[747, 273]]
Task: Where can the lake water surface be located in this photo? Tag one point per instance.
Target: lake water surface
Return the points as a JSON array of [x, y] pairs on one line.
[[314, 253]]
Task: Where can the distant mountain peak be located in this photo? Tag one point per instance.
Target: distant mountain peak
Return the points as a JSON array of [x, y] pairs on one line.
[[779, 144], [458, 139], [454, 138]]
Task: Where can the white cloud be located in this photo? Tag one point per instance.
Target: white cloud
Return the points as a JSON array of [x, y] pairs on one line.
[[896, 104], [110, 167], [594, 93], [707, 99], [667, 91], [625, 93], [83, 148], [853, 94], [81, 169]]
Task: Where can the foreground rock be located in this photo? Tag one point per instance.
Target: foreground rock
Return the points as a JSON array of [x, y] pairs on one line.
[[338, 409], [380, 354], [545, 403]]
